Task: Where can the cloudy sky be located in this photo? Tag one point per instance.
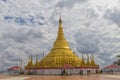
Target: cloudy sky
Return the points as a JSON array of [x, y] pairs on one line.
[[29, 27]]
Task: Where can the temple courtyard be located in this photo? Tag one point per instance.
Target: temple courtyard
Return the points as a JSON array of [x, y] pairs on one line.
[[72, 77]]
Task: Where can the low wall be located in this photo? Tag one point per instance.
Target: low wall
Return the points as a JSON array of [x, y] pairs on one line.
[[59, 71]]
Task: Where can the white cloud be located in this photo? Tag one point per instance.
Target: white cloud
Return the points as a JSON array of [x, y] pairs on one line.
[[30, 27], [68, 3]]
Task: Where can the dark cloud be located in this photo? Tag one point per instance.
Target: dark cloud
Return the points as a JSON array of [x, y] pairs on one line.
[[29, 51], [3, 45], [35, 33], [86, 42], [19, 43], [106, 58], [4, 0], [9, 57], [22, 35], [31, 20], [113, 15]]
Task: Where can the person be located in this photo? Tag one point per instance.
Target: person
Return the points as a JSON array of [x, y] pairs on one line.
[[112, 71], [88, 72], [81, 72]]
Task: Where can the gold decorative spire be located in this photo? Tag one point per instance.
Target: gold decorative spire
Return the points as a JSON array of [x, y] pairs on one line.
[[88, 62], [92, 60], [83, 62], [36, 63], [31, 60], [60, 31], [60, 41], [60, 20], [30, 63]]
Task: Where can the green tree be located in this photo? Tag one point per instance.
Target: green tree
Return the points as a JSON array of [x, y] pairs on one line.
[[118, 61]]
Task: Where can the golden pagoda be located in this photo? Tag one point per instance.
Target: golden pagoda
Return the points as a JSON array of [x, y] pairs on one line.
[[61, 53], [61, 56]]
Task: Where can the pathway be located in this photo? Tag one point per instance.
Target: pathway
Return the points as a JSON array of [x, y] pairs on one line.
[[15, 78]]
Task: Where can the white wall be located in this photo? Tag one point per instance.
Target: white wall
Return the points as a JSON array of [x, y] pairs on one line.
[[58, 71]]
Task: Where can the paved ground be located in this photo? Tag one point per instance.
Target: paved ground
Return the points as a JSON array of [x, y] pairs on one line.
[[15, 78], [76, 77], [73, 77], [5, 76]]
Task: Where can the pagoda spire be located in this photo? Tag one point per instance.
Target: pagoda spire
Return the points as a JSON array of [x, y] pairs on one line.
[[60, 19], [60, 31], [60, 40], [36, 63], [31, 59], [83, 62], [28, 61], [88, 62], [92, 60]]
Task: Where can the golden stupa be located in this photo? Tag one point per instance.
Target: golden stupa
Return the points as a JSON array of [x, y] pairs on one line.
[[61, 55]]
